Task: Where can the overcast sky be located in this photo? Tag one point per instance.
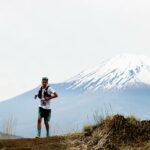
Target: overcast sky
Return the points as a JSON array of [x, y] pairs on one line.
[[60, 38]]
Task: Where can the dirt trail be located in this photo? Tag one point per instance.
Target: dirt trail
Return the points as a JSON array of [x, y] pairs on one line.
[[52, 143]]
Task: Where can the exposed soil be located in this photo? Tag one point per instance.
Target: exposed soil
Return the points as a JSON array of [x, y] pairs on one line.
[[53, 143]]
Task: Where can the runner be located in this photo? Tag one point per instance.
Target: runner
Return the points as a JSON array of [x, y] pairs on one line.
[[45, 94]]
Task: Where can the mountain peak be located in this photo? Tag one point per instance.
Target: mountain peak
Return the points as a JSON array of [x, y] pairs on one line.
[[130, 59], [118, 72]]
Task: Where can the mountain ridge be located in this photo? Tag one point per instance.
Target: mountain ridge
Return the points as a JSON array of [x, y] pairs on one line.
[[117, 72]]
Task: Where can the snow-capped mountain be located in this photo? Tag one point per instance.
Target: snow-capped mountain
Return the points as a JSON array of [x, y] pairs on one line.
[[75, 107], [118, 72]]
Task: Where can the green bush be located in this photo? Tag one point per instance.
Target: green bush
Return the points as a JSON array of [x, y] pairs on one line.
[[132, 120], [87, 128]]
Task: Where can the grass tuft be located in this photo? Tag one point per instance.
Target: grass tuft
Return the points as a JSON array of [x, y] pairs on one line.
[[87, 128], [132, 120]]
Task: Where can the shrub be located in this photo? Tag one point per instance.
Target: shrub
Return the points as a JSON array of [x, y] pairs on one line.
[[87, 128], [132, 120]]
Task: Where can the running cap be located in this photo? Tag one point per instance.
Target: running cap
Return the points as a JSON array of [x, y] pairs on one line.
[[45, 78]]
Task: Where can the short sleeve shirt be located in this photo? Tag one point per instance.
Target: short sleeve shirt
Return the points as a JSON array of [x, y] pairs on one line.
[[43, 103]]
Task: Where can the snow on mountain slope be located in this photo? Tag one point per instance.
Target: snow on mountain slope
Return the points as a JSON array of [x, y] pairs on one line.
[[118, 72]]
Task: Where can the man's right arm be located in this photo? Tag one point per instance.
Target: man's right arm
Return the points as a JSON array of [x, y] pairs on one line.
[[35, 97]]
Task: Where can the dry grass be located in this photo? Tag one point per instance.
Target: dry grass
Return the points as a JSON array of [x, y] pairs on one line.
[[115, 133], [9, 126], [100, 115], [145, 146]]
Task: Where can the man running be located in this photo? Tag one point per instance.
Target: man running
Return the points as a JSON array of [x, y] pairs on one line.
[[45, 94]]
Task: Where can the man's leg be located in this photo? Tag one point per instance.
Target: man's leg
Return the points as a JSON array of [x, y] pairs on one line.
[[47, 127], [46, 121], [39, 127], [39, 122]]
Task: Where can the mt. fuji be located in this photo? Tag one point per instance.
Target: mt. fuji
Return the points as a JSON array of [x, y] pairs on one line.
[[119, 72], [122, 82]]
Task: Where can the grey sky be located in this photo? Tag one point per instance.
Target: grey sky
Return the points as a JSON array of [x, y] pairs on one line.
[[59, 38]]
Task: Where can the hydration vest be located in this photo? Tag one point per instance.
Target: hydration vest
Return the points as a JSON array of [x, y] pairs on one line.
[[45, 93]]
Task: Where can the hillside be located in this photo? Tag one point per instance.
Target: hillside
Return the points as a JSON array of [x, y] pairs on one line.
[[112, 133]]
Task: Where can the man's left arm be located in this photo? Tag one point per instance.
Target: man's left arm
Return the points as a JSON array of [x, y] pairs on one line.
[[52, 93]]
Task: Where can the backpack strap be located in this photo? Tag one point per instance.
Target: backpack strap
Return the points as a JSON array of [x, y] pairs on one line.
[[46, 91], [40, 93], [47, 88]]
